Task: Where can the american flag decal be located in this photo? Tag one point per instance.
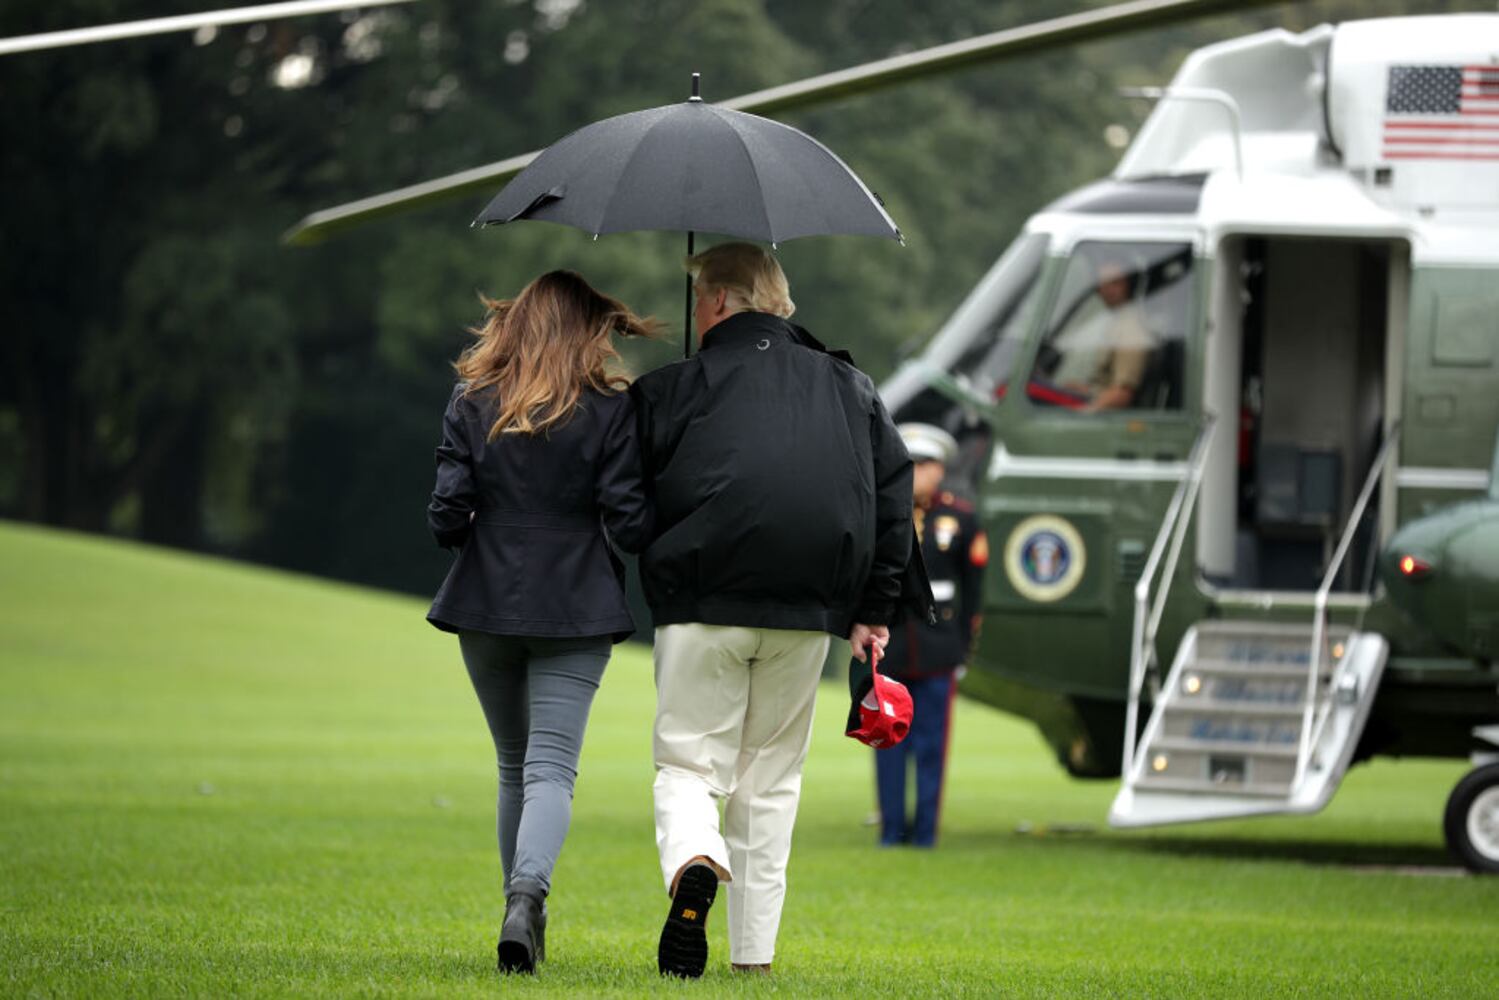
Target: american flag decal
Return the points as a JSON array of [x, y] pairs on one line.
[[1442, 113]]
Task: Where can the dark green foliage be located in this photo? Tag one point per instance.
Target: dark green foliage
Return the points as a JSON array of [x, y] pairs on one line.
[[170, 371]]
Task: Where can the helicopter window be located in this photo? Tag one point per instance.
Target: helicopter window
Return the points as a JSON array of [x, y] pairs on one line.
[[1116, 334], [979, 344]]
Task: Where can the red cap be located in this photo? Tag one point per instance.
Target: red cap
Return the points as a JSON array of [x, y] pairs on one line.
[[884, 714]]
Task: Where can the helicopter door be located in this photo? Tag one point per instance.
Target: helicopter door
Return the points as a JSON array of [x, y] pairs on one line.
[[1091, 441]]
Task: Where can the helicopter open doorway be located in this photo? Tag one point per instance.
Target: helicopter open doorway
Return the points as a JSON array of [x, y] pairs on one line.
[[1300, 377]]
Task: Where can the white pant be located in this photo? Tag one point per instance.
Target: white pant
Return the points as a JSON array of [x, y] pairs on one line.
[[733, 722]]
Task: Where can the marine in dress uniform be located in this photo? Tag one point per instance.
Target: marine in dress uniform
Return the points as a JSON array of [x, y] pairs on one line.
[[926, 658]]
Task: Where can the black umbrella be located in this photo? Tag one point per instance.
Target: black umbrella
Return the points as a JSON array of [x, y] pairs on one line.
[[695, 167]]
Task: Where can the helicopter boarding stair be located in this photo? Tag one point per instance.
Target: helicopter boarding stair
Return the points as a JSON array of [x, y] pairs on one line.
[[1255, 717]]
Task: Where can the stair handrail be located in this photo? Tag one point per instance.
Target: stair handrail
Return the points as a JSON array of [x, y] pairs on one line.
[[1319, 612], [1147, 616]]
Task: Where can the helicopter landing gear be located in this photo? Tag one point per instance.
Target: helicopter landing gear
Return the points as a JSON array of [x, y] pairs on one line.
[[1472, 820]]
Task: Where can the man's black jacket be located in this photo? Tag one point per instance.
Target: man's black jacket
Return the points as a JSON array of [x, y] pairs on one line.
[[781, 488]]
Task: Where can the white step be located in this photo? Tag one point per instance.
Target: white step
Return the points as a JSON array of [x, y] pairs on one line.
[[1216, 706], [1225, 748], [1275, 731], [1235, 689], [1268, 645], [1230, 668], [1236, 771], [1263, 790]]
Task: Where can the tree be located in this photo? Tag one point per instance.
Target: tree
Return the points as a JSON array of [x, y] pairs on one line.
[[169, 371]]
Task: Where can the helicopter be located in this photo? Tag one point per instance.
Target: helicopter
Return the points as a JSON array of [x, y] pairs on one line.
[[1236, 403]]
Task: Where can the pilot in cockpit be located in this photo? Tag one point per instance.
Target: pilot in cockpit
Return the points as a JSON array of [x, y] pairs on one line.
[[1106, 347]]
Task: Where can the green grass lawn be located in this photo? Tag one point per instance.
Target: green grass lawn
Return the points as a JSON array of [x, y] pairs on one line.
[[217, 780]]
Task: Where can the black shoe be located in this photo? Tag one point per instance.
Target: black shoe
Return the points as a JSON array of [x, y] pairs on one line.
[[684, 939], [523, 936]]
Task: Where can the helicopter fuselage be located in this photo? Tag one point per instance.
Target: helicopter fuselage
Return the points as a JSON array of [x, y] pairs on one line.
[[1307, 229]]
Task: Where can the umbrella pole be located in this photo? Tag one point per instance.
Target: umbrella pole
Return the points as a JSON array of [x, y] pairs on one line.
[[687, 308]]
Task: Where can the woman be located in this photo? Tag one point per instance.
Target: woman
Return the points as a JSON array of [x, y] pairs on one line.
[[538, 471]]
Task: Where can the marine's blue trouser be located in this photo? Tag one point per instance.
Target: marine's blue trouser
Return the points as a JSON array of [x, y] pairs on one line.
[[926, 745]]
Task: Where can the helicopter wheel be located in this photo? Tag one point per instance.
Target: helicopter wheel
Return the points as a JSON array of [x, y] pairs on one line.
[[1472, 820]]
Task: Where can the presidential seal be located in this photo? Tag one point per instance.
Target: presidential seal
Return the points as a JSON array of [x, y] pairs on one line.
[[1044, 558]]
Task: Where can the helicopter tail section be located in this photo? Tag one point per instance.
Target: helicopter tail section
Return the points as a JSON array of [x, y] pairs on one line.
[[1250, 722]]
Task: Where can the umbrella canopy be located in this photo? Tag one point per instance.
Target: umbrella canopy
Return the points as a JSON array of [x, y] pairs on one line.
[[693, 167]]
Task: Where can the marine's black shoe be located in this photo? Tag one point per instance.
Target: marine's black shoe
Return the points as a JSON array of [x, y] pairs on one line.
[[684, 938], [523, 936]]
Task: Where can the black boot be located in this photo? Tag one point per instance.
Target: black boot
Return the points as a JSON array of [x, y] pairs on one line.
[[683, 950], [523, 936]]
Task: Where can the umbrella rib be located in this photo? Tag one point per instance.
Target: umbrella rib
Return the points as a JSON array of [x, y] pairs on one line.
[[801, 179], [603, 226], [754, 169], [852, 176]]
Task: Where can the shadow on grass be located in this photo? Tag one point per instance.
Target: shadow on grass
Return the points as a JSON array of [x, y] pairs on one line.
[[1343, 853], [1330, 853]]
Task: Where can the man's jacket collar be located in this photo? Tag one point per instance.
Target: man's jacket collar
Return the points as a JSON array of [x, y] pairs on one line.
[[745, 328]]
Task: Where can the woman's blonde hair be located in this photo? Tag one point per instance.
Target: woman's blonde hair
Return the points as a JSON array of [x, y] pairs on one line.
[[539, 351], [750, 275]]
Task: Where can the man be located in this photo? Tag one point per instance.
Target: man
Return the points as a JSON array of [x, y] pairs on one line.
[[783, 516], [1104, 356], [926, 657]]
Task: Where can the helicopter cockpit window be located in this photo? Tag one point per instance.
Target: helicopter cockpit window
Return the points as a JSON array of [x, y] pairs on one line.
[[980, 343], [1116, 334]]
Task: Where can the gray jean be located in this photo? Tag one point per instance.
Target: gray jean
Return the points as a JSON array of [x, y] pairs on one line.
[[535, 694]]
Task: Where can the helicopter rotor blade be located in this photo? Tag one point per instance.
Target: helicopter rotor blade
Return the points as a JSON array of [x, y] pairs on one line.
[[1036, 37], [181, 22], [320, 225], [1070, 29]]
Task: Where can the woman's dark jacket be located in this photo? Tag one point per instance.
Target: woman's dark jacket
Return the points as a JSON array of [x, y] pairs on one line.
[[782, 491], [528, 515]]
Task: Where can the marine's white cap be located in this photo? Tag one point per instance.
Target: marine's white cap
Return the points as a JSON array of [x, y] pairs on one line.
[[927, 443]]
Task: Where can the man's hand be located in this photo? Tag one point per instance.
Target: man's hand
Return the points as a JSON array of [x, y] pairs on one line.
[[1115, 397], [863, 635]]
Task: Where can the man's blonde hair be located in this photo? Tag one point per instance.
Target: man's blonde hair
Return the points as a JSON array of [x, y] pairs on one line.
[[750, 275]]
